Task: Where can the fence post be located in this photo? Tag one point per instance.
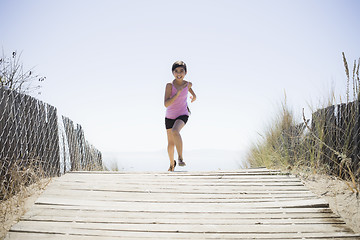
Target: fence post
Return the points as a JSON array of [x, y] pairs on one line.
[[329, 136], [357, 139]]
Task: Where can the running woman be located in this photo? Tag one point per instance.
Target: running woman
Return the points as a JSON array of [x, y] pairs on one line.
[[177, 111]]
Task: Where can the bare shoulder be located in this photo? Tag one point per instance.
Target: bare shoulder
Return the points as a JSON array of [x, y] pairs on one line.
[[189, 84], [168, 85]]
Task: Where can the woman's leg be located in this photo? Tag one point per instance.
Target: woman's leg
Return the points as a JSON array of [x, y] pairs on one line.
[[178, 125], [170, 148]]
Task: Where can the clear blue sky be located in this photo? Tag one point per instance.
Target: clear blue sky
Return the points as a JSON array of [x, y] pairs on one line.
[[107, 62]]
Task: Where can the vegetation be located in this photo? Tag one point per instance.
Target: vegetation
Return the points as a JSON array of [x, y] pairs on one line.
[[22, 183], [280, 146], [112, 166], [329, 143], [13, 75]]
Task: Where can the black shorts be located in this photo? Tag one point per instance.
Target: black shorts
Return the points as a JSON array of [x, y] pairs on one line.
[[169, 123]]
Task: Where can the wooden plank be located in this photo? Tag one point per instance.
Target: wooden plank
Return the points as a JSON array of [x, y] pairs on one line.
[[185, 189], [145, 195], [146, 235], [187, 174], [303, 213], [183, 182], [170, 181], [182, 174], [182, 207], [174, 179], [194, 176], [175, 189], [167, 219], [238, 171], [79, 228], [284, 211], [115, 185], [169, 198]]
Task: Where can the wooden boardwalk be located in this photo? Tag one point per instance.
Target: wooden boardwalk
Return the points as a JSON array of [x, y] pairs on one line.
[[244, 204]]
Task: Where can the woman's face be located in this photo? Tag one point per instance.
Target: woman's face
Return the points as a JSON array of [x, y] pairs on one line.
[[179, 73]]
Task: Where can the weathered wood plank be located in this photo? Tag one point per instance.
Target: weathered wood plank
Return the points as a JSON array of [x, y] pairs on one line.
[[183, 207], [169, 198], [237, 211], [185, 175], [238, 171], [118, 193], [307, 214], [200, 182], [178, 236], [189, 189], [176, 188], [167, 219], [79, 228]]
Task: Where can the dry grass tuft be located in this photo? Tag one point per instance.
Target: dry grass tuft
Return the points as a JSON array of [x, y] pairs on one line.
[[13, 208], [330, 144], [275, 148], [21, 182], [113, 166]]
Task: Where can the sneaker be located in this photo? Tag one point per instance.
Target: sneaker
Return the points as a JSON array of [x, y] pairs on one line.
[[171, 168], [181, 163]]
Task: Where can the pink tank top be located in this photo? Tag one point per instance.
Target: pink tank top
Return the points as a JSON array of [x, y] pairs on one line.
[[179, 106]]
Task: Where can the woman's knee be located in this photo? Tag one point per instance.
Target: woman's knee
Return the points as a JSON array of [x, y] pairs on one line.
[[171, 144], [175, 131], [178, 125]]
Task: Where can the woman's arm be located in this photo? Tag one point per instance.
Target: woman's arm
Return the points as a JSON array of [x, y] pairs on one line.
[[168, 100], [193, 97]]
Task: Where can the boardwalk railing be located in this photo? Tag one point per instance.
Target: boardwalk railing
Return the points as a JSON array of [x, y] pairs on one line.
[[36, 142]]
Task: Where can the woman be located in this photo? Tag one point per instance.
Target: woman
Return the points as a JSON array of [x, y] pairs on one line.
[[177, 111]]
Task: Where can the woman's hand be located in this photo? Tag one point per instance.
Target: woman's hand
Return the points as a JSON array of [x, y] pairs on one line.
[[193, 95], [180, 89]]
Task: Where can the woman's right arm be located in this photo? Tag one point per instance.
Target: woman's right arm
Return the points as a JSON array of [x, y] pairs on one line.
[[168, 100]]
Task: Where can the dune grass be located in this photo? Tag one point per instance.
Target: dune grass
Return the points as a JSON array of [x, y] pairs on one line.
[[21, 182], [328, 142]]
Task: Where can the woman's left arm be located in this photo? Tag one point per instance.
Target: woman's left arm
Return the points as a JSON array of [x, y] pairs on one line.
[[193, 97]]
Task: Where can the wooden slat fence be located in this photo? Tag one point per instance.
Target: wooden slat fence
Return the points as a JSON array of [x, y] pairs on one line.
[[338, 127], [30, 131]]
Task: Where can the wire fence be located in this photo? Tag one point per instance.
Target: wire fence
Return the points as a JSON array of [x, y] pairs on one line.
[[36, 142]]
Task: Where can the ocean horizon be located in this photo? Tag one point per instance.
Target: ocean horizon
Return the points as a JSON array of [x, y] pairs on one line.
[[196, 160]]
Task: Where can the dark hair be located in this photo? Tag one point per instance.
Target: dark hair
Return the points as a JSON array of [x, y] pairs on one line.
[[178, 64]]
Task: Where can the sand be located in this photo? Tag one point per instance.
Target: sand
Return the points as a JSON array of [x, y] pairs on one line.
[[342, 200]]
